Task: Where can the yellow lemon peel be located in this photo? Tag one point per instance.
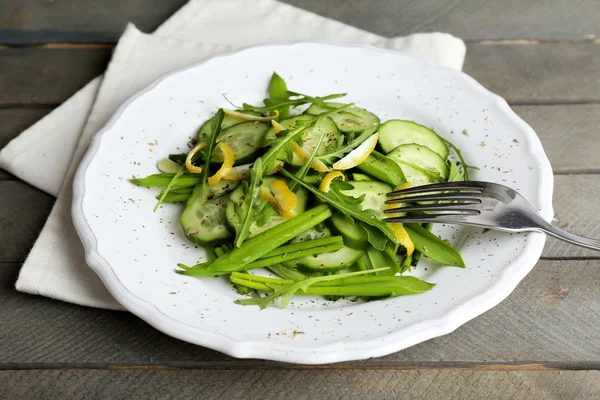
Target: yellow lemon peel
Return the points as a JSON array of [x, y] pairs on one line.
[[326, 182], [317, 165], [402, 237], [277, 127], [191, 168], [400, 233], [228, 160], [265, 195], [238, 173], [285, 197], [358, 155]]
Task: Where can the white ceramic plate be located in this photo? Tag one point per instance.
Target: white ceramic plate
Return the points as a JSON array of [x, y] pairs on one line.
[[135, 250]]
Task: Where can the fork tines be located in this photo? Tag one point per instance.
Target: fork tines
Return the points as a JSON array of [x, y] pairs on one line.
[[471, 186], [463, 200]]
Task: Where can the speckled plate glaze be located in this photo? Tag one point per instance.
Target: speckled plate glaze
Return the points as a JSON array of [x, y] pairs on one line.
[[134, 250]]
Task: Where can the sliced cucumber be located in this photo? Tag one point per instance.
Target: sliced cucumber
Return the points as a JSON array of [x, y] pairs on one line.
[[352, 232], [311, 136], [375, 194], [382, 168], [420, 164], [222, 187], [319, 231], [396, 132], [205, 223], [334, 261], [228, 121], [353, 119], [289, 123], [238, 198], [244, 138]]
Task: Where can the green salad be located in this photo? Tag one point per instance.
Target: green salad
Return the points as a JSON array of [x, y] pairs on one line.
[[298, 186]]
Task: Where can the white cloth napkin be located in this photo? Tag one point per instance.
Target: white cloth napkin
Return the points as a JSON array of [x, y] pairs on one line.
[[56, 265]]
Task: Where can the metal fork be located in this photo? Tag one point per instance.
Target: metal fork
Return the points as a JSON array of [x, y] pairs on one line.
[[483, 204]]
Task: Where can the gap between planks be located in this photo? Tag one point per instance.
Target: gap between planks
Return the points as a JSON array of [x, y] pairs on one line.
[[271, 365], [495, 42]]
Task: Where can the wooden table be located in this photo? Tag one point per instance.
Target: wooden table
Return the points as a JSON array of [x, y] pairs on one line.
[[541, 342]]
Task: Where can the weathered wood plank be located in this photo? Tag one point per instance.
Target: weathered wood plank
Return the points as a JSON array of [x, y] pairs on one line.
[[577, 208], [569, 134], [470, 19], [23, 212], [549, 320], [302, 384], [563, 72], [90, 21], [15, 121], [523, 74], [74, 21], [47, 76]]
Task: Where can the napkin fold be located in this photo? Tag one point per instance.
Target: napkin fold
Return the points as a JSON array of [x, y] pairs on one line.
[[56, 265]]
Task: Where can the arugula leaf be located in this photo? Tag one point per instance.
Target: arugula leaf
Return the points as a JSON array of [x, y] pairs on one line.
[[265, 211], [251, 192], [377, 239], [346, 204], [341, 150], [271, 157], [287, 291], [455, 174], [211, 142], [287, 103], [465, 166]]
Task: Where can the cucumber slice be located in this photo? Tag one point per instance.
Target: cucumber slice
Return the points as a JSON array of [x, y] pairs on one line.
[[289, 123], [311, 136], [228, 121], [244, 138], [319, 231], [353, 233], [353, 119], [205, 223], [238, 197], [420, 164], [334, 261], [375, 194], [382, 168], [396, 132]]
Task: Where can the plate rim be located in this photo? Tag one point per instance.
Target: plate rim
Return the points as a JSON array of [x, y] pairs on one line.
[[381, 345]]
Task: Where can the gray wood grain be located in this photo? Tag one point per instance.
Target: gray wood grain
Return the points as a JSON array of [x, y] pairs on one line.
[[569, 134], [13, 122], [301, 384], [577, 209], [92, 21], [23, 212], [47, 76], [563, 72], [549, 321], [523, 74], [76, 21]]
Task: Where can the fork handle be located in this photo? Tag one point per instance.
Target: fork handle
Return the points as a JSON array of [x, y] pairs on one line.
[[558, 233]]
